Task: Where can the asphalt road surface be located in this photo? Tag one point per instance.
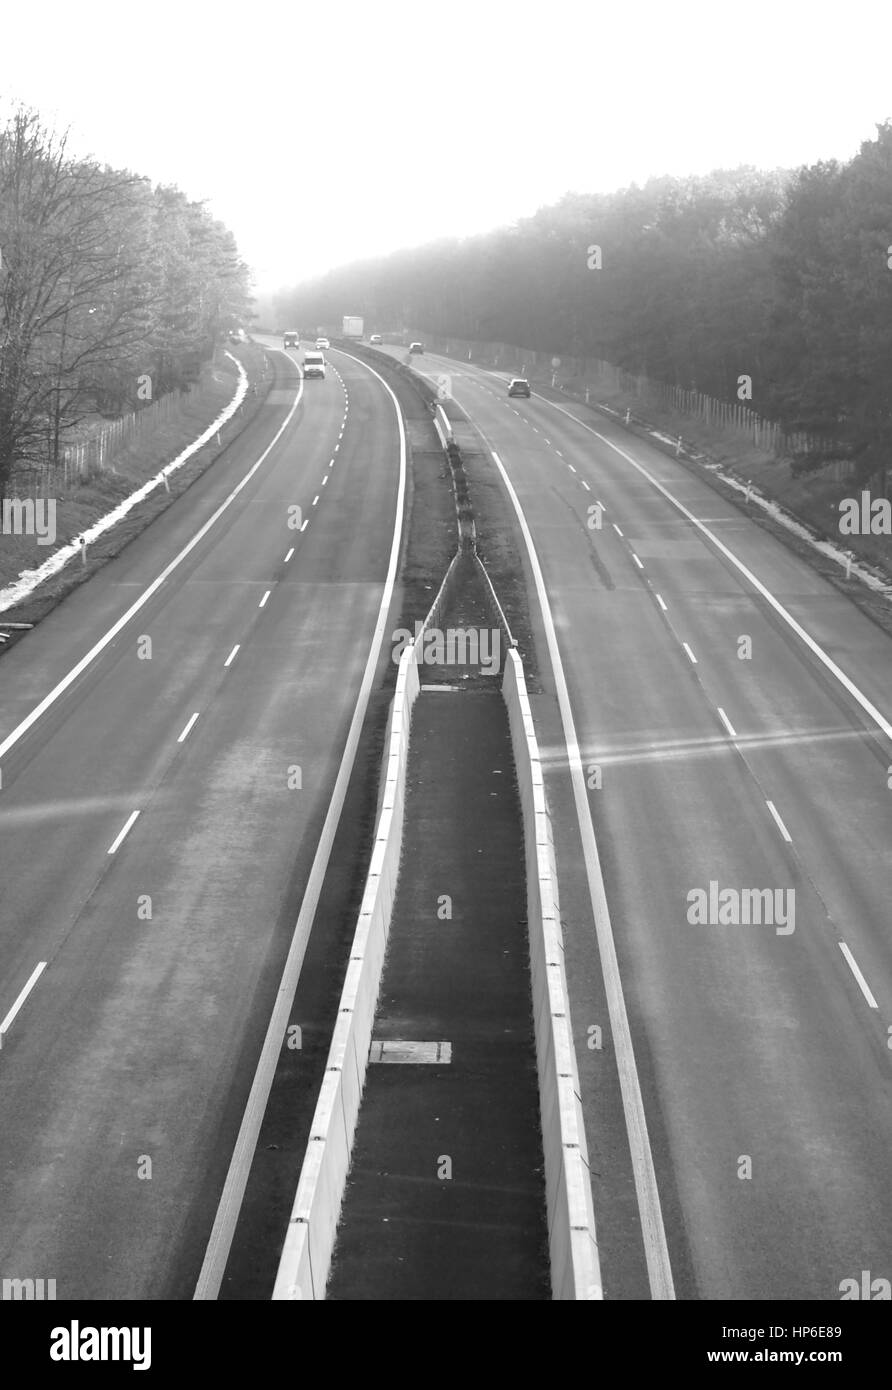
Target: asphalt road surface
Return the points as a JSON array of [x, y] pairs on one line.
[[762, 1052], [124, 1075], [730, 753]]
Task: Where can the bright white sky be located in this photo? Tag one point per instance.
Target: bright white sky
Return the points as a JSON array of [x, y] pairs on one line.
[[322, 131]]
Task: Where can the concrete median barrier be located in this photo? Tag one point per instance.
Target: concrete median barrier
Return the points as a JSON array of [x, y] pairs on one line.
[[573, 1249], [306, 1255]]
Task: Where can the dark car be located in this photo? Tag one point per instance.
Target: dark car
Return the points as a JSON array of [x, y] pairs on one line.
[[519, 386], [416, 347]]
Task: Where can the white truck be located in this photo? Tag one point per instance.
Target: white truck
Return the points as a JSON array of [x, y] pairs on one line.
[[352, 326]]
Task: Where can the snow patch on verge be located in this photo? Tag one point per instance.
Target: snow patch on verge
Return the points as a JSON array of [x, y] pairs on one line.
[[29, 580], [872, 578]]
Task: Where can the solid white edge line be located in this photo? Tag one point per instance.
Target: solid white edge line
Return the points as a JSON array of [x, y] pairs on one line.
[[652, 1228], [690, 653], [231, 655], [23, 995], [229, 1206], [188, 729], [727, 722], [868, 707], [780, 825], [118, 840], [862, 983], [40, 709]]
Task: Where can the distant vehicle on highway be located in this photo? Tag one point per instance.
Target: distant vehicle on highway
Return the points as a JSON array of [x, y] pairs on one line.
[[314, 364], [292, 340], [519, 386], [323, 343], [375, 338], [416, 347]]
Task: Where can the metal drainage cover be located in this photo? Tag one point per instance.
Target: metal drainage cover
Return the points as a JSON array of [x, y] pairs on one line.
[[423, 1052]]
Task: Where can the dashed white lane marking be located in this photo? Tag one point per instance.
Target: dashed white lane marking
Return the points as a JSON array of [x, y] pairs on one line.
[[289, 555], [325, 480], [690, 653], [559, 454], [315, 499], [109, 636], [585, 485], [23, 995], [262, 603], [661, 603], [305, 524], [188, 729], [614, 525], [882, 723], [727, 722], [637, 561], [862, 983], [780, 825], [571, 468], [232, 655], [119, 838], [336, 447]]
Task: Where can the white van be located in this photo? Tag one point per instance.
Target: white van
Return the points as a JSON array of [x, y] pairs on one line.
[[314, 364]]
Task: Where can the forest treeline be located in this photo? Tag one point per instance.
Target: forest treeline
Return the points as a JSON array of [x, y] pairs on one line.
[[112, 292], [781, 277]]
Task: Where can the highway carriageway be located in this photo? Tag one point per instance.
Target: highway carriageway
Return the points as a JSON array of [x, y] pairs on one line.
[[165, 821], [731, 713]]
